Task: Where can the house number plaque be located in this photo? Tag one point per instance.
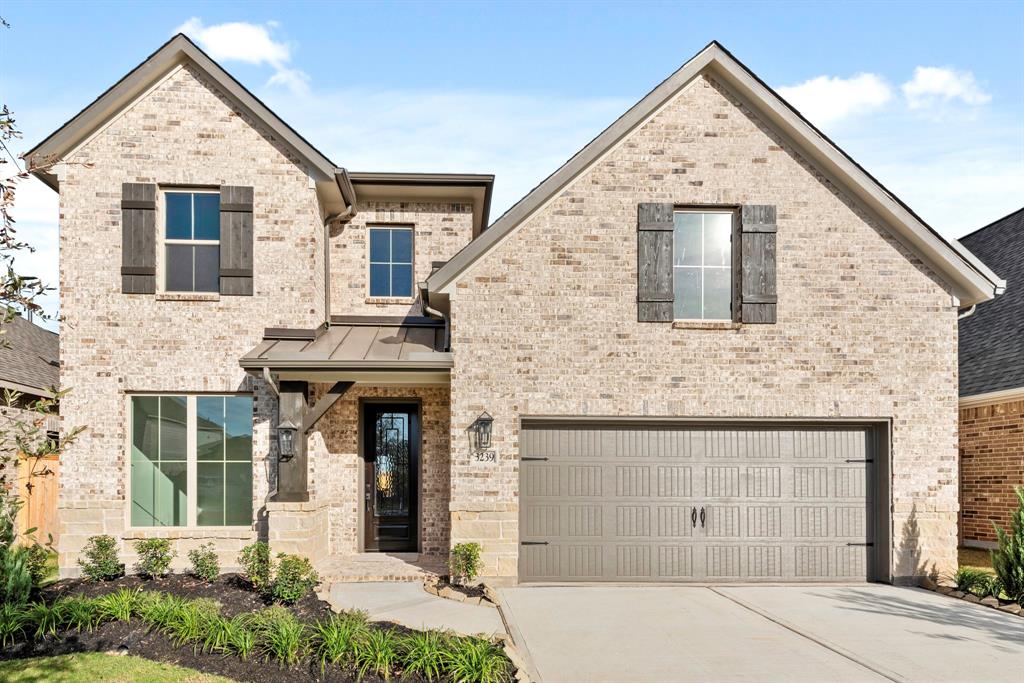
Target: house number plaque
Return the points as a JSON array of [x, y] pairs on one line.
[[484, 456]]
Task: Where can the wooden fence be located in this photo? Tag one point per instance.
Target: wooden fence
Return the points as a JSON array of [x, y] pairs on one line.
[[38, 481]]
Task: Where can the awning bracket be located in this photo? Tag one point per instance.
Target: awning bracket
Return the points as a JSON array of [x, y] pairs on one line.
[[324, 404]]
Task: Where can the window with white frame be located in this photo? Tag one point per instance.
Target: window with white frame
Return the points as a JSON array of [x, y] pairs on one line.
[[191, 460], [702, 265], [391, 262], [191, 241]]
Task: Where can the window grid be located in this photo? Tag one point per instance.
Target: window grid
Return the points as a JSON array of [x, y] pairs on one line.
[[703, 267], [390, 263], [193, 242]]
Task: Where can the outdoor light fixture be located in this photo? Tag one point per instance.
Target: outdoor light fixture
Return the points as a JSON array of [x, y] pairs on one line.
[[286, 440], [480, 431]]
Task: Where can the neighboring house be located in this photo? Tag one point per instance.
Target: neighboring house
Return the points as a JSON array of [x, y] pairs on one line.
[[992, 388], [708, 347], [29, 368]]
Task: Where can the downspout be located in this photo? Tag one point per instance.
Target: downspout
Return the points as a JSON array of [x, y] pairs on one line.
[[434, 313], [967, 313], [342, 217]]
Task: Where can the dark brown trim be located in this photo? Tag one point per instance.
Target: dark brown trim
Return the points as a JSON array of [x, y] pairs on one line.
[[149, 204], [293, 333], [761, 299], [236, 272], [323, 404], [138, 270], [238, 208]]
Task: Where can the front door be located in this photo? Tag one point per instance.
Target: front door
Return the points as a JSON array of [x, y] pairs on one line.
[[391, 438]]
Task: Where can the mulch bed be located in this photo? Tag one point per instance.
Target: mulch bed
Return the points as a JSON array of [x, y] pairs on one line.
[[235, 598]]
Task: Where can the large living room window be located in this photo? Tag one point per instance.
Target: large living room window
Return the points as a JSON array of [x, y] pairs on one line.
[[191, 461], [191, 241], [391, 262], [702, 265]]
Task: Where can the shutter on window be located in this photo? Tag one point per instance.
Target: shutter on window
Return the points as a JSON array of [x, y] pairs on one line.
[[655, 226], [757, 253], [138, 238], [235, 241]]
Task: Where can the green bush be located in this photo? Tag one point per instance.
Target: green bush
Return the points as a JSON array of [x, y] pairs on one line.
[[119, 606], [241, 638], [81, 614], [204, 562], [1008, 559], [423, 653], [255, 562], [293, 579], [48, 619], [334, 641], [279, 635], [37, 561], [190, 623], [967, 579], [12, 623], [155, 557], [16, 582], [464, 563], [377, 653], [474, 660], [99, 559], [157, 610]]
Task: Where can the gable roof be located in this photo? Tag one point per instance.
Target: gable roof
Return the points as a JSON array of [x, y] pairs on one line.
[[331, 181], [992, 338], [970, 279], [28, 357]]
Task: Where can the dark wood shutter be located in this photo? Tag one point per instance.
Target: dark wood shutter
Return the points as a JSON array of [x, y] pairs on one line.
[[757, 253], [138, 238], [236, 240], [655, 225]]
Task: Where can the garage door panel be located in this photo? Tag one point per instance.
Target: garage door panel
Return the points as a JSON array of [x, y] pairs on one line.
[[624, 503]]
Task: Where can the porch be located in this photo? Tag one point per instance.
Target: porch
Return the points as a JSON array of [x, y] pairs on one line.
[[363, 487]]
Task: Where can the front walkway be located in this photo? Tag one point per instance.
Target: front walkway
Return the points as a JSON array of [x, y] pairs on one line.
[[408, 604], [761, 633], [360, 567]]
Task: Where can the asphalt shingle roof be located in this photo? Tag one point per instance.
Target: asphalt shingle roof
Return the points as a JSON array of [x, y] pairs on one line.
[[30, 355], [992, 339]]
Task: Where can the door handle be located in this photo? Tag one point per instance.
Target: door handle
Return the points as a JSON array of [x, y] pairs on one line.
[[693, 517], [367, 498], [702, 518]]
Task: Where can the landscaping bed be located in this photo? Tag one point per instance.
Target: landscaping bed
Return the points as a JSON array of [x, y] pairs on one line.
[[304, 641]]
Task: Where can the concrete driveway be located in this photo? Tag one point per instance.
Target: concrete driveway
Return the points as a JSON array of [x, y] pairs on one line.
[[760, 633]]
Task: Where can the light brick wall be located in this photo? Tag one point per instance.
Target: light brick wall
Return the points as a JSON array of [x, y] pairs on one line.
[[183, 132], [439, 231], [991, 464], [335, 463], [546, 325]]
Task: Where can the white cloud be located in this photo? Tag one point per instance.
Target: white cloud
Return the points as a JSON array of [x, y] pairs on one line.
[[239, 41], [933, 85], [827, 99]]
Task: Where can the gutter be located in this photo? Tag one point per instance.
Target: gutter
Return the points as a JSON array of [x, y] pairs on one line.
[[348, 196], [434, 313]]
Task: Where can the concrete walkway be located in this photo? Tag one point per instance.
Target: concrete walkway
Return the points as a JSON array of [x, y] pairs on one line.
[[406, 603], [764, 633]]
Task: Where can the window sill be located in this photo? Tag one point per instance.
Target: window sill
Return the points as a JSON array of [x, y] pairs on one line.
[[187, 296], [705, 325], [390, 300], [179, 532]]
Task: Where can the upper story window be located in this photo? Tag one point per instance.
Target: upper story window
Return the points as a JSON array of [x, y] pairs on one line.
[[702, 265], [391, 262], [191, 461], [191, 241]]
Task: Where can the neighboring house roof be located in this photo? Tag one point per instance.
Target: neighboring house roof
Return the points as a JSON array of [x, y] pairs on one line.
[[971, 281], [332, 182], [992, 338], [29, 358], [354, 343]]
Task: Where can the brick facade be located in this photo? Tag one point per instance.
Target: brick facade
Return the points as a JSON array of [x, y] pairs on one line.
[[991, 464], [545, 324]]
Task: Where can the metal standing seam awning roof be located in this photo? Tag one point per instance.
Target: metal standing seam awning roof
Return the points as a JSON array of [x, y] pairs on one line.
[[353, 345]]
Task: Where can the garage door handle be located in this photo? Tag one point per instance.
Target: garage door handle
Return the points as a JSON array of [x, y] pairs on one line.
[[533, 542], [531, 459], [693, 517], [702, 518]]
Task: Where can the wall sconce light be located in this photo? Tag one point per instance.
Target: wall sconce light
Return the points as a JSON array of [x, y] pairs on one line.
[[480, 432], [286, 440]]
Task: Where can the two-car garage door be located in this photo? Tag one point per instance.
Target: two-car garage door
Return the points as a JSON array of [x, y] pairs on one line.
[[636, 502]]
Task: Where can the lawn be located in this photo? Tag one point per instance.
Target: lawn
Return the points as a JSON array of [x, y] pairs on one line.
[[975, 557], [99, 668]]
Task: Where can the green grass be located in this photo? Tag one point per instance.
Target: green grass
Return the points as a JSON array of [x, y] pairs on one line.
[[976, 558], [99, 668]]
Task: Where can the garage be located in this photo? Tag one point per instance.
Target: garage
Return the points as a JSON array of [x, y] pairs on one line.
[[635, 501]]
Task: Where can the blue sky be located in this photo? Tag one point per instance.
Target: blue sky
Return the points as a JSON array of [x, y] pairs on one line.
[[929, 97]]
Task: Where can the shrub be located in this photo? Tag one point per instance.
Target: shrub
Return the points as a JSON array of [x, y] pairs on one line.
[[99, 559], [280, 635], [36, 560], [48, 619], [81, 614], [1008, 559], [333, 641], [155, 557], [966, 579], [118, 606], [16, 581], [474, 660], [423, 653], [158, 610], [204, 562], [255, 562], [293, 579], [377, 652], [241, 639], [464, 563], [190, 622], [12, 623]]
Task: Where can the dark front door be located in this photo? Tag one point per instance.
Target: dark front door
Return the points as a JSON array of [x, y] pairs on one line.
[[391, 438]]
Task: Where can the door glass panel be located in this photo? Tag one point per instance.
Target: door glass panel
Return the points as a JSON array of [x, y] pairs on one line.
[[391, 465]]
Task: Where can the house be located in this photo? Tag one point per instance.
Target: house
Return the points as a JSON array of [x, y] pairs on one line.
[[29, 369], [708, 347], [992, 388]]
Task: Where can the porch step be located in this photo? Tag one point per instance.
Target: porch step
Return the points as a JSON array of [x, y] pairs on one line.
[[375, 567]]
